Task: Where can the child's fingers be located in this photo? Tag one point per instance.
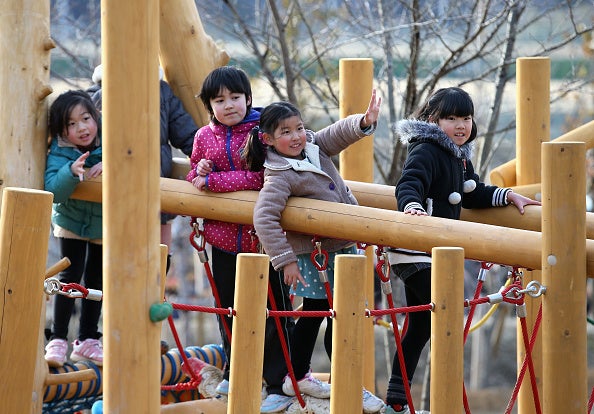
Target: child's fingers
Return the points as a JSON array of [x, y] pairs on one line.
[[302, 280]]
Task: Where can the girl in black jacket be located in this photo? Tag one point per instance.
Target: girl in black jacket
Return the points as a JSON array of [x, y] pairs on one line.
[[438, 179]]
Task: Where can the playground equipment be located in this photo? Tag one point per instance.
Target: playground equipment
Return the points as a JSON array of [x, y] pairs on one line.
[[131, 240]]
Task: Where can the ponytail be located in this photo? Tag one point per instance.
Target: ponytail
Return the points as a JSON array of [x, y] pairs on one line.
[[254, 150]]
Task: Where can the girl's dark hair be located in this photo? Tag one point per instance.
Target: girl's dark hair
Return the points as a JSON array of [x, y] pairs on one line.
[[445, 102], [61, 108], [254, 151], [228, 77]]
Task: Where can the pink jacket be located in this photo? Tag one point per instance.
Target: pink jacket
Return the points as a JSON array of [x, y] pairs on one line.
[[222, 145]]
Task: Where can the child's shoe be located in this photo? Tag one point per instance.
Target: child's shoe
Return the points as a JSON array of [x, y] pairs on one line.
[[55, 352], [309, 385], [87, 350], [391, 410], [371, 404], [222, 388], [274, 403]]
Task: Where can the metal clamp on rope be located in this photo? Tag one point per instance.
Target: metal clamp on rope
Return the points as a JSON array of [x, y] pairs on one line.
[[485, 267], [199, 243], [91, 294], [94, 294], [386, 287], [496, 297], [203, 256], [521, 311]]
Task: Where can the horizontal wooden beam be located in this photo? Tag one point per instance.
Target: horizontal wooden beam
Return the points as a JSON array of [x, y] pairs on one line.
[[486, 242]]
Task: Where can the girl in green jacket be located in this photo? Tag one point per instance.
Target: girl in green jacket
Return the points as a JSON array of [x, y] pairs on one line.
[[75, 155]]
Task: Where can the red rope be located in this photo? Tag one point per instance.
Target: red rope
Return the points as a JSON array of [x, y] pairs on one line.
[[306, 314], [196, 232], [386, 281], [195, 377], [206, 309], [406, 309], [283, 341], [527, 362], [322, 267], [67, 287], [479, 286]]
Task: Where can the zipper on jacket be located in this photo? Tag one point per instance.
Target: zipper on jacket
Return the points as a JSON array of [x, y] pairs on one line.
[[228, 148]]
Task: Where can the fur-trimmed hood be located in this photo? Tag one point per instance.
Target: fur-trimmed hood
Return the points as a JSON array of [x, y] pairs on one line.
[[413, 131]]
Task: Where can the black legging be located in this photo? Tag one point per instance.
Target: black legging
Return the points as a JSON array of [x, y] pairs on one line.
[[86, 263], [417, 288], [275, 367], [306, 334]]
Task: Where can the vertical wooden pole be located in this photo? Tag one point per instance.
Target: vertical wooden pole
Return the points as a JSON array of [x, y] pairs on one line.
[[355, 84], [24, 85], [564, 276], [130, 38], [347, 335], [164, 250], [247, 341], [187, 54], [356, 163], [24, 230], [447, 329], [532, 129], [533, 116]]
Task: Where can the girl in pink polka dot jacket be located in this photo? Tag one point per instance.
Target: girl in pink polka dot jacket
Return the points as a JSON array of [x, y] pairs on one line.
[[217, 166]]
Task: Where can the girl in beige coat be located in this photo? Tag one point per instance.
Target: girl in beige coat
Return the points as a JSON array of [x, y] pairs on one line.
[[298, 163]]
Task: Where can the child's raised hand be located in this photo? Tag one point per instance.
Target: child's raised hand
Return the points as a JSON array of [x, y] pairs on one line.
[[372, 113], [78, 166], [204, 167], [292, 275], [520, 201]]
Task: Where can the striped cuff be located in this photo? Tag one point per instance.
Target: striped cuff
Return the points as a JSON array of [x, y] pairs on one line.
[[500, 197], [414, 205]]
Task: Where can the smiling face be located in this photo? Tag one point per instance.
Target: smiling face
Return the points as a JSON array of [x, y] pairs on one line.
[[81, 128], [457, 128], [229, 108], [289, 137]]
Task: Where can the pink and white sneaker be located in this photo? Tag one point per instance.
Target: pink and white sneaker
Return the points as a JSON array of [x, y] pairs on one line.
[[87, 350], [55, 352]]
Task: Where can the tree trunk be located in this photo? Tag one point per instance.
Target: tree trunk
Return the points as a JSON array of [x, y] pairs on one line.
[[187, 54]]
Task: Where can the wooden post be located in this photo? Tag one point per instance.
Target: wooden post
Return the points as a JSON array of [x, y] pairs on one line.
[[247, 341], [533, 128], [24, 85], [356, 82], [164, 250], [356, 163], [533, 116], [24, 230], [347, 335], [187, 54], [447, 330], [129, 33], [563, 256]]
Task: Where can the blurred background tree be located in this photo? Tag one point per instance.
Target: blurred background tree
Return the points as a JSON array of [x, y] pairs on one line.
[[291, 48]]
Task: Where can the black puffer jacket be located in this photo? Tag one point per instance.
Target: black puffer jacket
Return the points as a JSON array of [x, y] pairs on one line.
[[438, 175], [177, 126]]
